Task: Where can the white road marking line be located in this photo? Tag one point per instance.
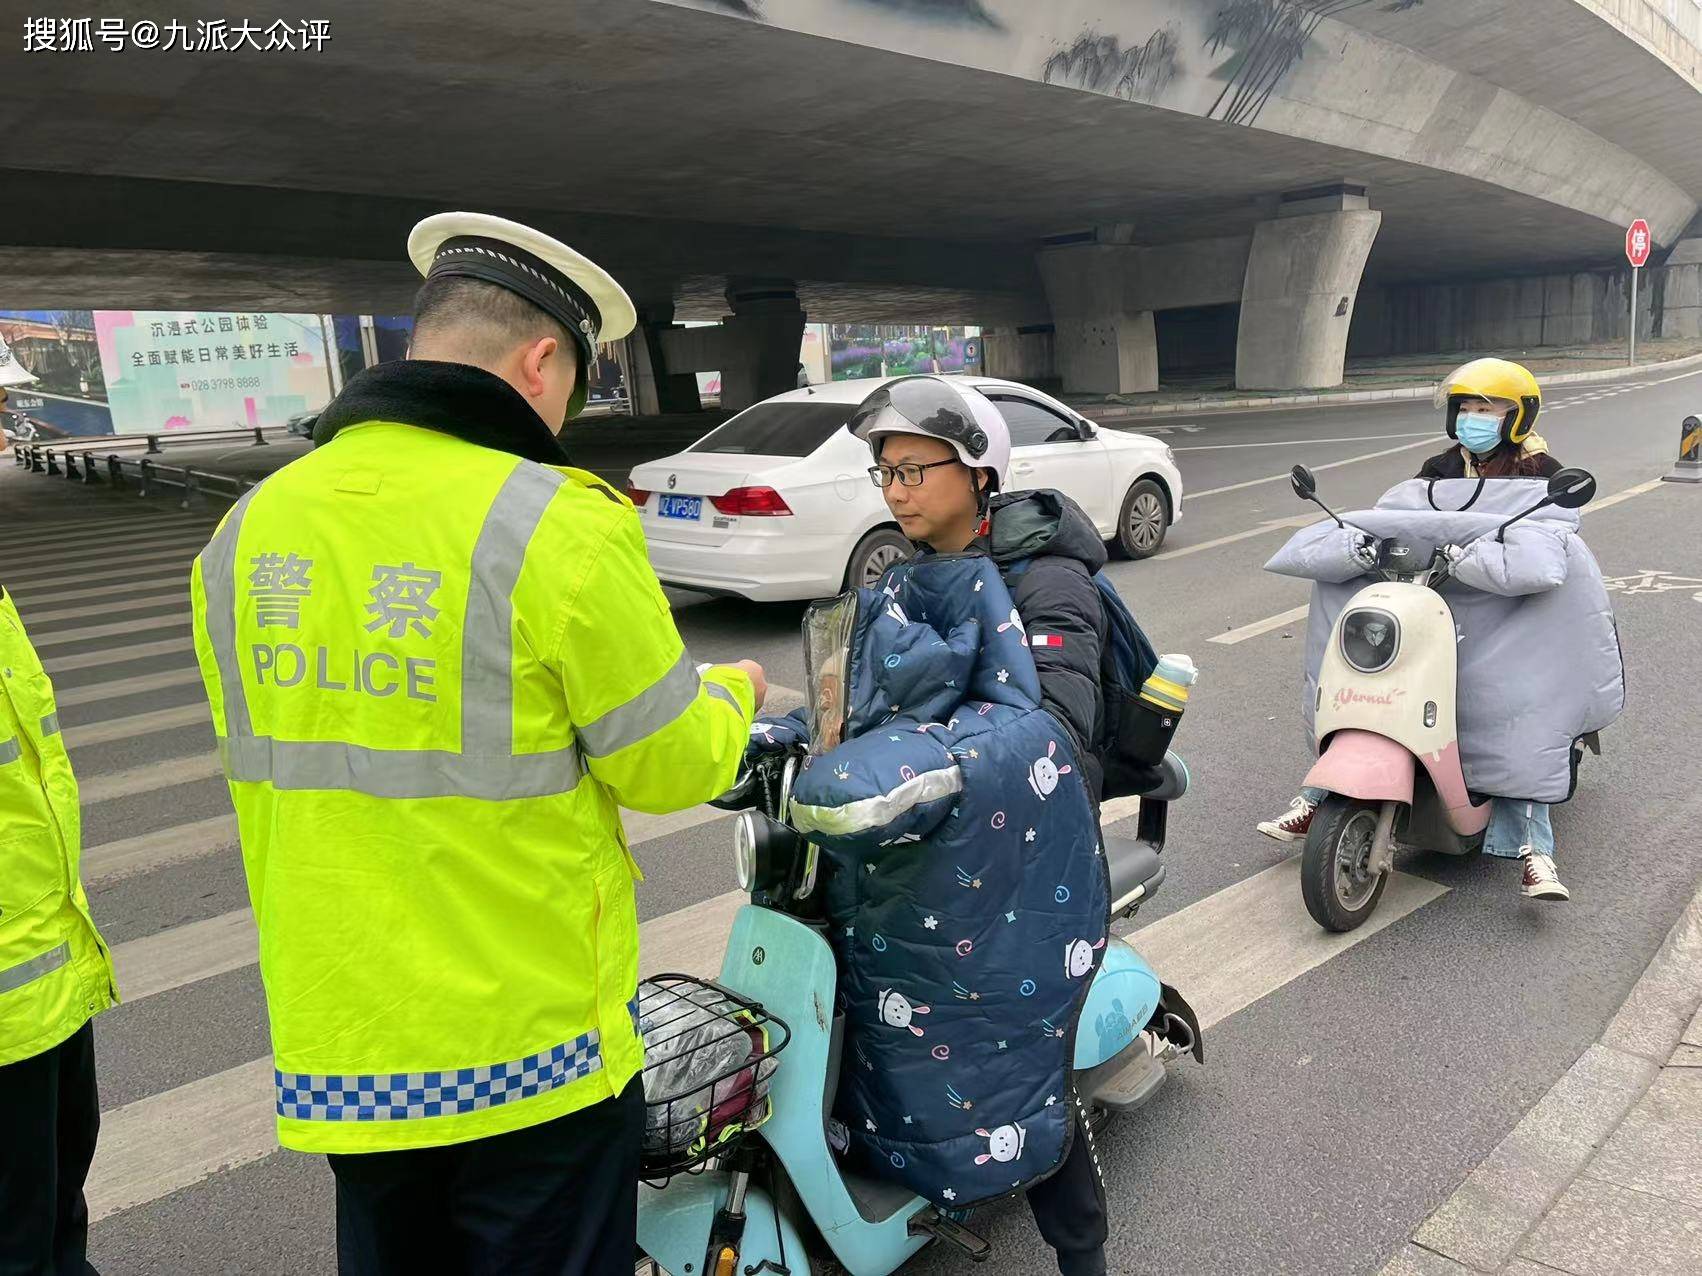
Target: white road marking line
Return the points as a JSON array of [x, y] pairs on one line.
[[1261, 626], [116, 655], [1224, 952], [185, 955], [148, 778], [58, 638], [110, 729], [1607, 502], [1295, 613], [160, 582], [1352, 438], [97, 526], [167, 1141], [1274, 525], [110, 607], [95, 692], [117, 551], [120, 562], [109, 861], [1250, 939], [1428, 441]]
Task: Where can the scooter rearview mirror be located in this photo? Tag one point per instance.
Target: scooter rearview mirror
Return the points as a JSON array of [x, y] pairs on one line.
[[1306, 488], [1572, 488]]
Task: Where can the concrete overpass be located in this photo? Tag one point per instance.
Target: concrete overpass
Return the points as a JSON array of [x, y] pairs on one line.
[[1097, 182]]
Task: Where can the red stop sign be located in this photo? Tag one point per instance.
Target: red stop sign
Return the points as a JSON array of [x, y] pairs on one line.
[[1637, 242]]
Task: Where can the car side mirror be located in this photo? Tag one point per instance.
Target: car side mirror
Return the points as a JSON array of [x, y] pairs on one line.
[[1084, 430], [1305, 486], [1572, 488]]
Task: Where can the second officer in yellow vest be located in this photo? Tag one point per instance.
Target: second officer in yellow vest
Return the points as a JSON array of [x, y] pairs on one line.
[[55, 970], [438, 663]]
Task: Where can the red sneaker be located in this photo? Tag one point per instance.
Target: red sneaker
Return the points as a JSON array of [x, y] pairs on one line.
[[1291, 827]]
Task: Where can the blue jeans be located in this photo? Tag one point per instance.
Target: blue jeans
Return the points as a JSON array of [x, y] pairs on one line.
[[1513, 825]]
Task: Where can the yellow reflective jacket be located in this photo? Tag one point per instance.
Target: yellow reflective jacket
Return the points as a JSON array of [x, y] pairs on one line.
[[55, 971], [436, 671]]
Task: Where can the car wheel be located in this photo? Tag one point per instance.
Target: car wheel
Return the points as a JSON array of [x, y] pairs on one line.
[[874, 554], [1143, 521]]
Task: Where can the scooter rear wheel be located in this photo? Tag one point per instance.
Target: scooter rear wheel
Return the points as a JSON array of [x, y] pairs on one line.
[[1335, 874]]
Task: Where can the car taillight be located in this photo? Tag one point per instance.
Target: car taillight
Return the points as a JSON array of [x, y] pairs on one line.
[[637, 495], [756, 502]]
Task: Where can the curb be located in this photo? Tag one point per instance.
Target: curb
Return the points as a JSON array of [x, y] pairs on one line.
[[1118, 411], [1481, 1225]]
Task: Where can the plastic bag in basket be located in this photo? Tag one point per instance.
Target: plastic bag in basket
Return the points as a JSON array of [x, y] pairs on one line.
[[706, 1069]]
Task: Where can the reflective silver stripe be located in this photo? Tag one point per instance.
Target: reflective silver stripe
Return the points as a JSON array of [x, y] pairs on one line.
[[646, 713], [882, 809], [50, 724], [218, 583], [487, 635], [721, 693], [26, 971], [10, 750], [398, 773], [486, 766]]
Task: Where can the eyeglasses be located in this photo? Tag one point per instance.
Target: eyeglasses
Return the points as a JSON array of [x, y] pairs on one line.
[[910, 474]]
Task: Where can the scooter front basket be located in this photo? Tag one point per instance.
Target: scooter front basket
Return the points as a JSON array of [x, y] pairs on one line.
[[709, 1055]]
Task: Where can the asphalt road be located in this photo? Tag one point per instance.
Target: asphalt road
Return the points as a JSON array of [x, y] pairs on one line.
[[1350, 1084]]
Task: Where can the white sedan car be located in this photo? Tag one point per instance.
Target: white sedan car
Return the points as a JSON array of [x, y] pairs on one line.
[[777, 504]]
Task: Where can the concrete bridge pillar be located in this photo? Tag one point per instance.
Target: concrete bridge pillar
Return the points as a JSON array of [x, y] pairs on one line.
[[760, 341], [1297, 298], [1102, 343], [655, 385]]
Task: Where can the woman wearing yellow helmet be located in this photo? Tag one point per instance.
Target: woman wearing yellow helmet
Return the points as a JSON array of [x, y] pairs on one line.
[[1491, 407]]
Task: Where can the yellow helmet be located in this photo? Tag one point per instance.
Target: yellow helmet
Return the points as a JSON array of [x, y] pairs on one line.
[[1494, 379]]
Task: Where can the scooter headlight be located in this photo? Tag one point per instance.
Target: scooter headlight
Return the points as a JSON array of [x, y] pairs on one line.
[[1370, 639], [764, 853], [744, 851]]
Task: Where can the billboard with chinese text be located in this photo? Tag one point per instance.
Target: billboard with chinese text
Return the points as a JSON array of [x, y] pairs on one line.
[[196, 370]]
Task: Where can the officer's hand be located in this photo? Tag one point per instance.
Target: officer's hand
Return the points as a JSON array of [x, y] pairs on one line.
[[759, 680]]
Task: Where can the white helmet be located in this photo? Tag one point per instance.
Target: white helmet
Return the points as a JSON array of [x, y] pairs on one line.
[[938, 408]]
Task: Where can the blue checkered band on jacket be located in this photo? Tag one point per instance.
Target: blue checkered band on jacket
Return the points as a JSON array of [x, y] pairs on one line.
[[402, 1096]]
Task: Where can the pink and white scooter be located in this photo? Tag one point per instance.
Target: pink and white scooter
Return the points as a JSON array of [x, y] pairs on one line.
[[1384, 724]]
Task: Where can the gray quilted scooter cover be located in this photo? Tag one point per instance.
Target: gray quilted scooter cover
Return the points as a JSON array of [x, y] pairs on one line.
[[1539, 652]]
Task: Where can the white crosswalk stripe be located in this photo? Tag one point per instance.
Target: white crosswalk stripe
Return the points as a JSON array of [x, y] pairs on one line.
[[149, 778], [35, 619], [116, 655], [95, 692], [161, 581], [153, 558], [51, 639], [125, 728]]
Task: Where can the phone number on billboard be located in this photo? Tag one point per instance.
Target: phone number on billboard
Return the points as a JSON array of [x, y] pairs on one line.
[[224, 383]]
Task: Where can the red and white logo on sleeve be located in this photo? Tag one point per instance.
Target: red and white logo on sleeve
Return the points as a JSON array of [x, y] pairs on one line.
[[1045, 640]]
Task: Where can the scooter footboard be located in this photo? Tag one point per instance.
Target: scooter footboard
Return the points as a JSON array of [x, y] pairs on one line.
[[1364, 765]]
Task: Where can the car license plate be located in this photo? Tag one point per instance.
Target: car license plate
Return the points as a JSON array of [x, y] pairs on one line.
[[680, 507]]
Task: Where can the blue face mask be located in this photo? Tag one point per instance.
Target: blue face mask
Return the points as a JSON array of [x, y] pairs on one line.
[[1478, 432]]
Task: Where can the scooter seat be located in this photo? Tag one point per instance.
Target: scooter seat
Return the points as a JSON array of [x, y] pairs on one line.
[[1136, 870]]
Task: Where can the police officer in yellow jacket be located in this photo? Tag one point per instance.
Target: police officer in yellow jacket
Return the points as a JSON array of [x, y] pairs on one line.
[[55, 976], [439, 663]]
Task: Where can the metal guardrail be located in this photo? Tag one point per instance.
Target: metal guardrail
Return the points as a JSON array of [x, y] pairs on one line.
[[82, 463]]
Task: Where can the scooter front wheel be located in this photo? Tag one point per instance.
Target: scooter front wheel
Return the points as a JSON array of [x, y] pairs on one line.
[[1336, 878]]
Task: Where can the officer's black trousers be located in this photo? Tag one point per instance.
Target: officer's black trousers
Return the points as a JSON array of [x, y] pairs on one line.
[[557, 1199], [49, 1117], [1069, 1209]]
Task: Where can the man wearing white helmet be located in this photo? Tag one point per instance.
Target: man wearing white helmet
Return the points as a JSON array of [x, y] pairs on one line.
[[941, 453]]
